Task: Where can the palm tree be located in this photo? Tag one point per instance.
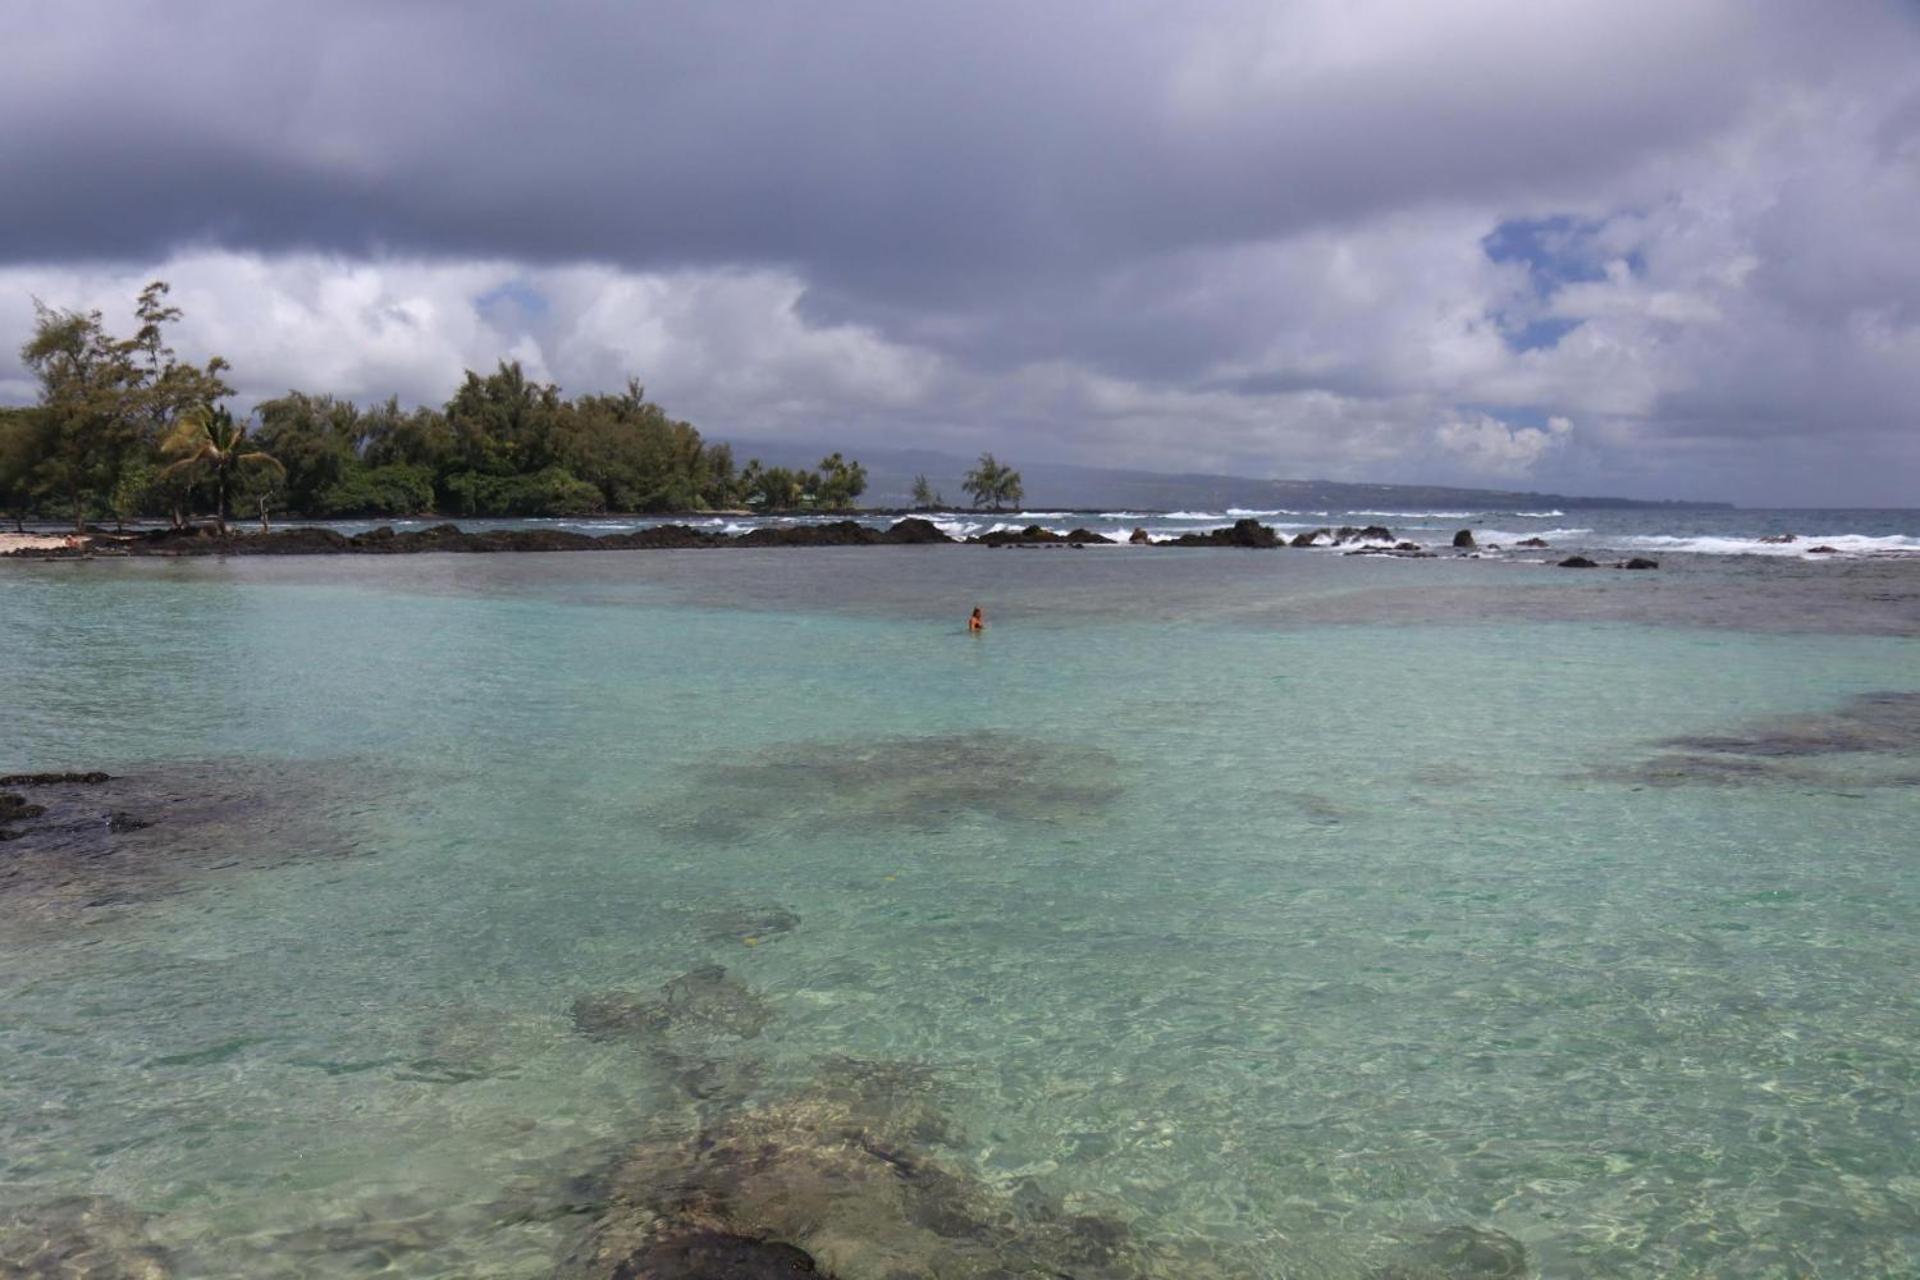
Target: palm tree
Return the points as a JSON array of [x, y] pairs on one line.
[[206, 440], [993, 482]]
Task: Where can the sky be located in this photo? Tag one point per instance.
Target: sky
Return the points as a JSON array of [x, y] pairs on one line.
[[1652, 248]]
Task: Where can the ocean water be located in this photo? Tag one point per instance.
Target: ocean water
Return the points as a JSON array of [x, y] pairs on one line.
[[1250, 914]]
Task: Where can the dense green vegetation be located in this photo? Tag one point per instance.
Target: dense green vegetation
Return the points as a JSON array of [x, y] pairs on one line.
[[124, 428], [993, 484]]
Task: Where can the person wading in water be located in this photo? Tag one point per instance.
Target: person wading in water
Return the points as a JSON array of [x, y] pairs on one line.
[[978, 621]]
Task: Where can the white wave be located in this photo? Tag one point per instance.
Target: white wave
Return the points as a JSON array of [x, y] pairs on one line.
[[1507, 537], [1850, 545], [1459, 515], [1193, 515]]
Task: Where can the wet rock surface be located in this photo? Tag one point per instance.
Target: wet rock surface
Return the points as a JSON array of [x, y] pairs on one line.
[[80, 1238], [912, 784], [1243, 533], [1036, 535], [1578, 562]]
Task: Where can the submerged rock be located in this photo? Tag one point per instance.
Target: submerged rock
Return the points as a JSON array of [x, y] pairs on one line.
[[1873, 722], [837, 1178], [703, 1001], [83, 841], [1578, 562], [1638, 562], [911, 784], [1533, 544], [715, 1255], [80, 1238], [748, 924], [1458, 1253]]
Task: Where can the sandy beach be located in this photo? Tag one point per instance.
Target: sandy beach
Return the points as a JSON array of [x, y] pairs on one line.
[[12, 542]]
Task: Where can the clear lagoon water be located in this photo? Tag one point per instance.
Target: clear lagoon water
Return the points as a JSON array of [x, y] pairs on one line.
[[1297, 915]]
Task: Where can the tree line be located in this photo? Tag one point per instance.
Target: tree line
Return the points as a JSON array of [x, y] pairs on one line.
[[124, 428]]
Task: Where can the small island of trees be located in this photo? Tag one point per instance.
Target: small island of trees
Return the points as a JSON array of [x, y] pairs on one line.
[[124, 429]]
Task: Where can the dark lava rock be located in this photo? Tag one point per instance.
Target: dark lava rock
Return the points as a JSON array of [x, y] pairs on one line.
[[1244, 533], [1354, 533], [1141, 538], [1310, 537], [665, 537], [14, 808], [1406, 546], [123, 822], [1578, 562], [1534, 543], [1638, 562], [837, 533], [1781, 539], [1464, 538], [715, 1255], [54, 779], [1823, 550], [1036, 536], [914, 531]]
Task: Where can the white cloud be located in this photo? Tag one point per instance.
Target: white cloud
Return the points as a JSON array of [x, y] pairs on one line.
[[1493, 448]]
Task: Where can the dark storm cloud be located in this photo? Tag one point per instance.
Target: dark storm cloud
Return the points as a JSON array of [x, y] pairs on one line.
[[899, 148]]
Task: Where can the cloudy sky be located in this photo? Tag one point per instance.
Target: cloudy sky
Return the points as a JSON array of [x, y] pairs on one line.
[[1664, 248]]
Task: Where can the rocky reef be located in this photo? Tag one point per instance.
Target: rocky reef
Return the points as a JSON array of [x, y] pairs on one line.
[[911, 784], [1882, 728], [80, 1238], [76, 846], [837, 1179]]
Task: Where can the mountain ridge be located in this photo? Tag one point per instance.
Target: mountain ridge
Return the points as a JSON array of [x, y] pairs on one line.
[[891, 471]]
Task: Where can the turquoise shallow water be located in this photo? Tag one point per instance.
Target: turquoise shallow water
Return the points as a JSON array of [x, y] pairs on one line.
[[1286, 907]]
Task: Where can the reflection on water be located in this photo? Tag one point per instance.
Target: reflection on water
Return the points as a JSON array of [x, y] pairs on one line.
[[1254, 915]]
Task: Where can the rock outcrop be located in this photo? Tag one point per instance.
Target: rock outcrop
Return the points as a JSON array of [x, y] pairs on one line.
[[1244, 533], [1464, 539]]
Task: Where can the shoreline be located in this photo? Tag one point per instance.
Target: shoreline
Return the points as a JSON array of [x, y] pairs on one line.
[[306, 540]]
